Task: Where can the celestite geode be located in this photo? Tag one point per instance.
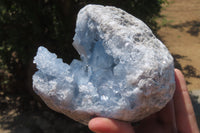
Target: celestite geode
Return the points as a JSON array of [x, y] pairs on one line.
[[125, 72]]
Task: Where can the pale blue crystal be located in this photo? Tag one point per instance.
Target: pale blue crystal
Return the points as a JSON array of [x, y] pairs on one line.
[[124, 73]]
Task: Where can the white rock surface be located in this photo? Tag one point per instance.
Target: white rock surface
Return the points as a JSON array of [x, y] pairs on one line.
[[125, 72]]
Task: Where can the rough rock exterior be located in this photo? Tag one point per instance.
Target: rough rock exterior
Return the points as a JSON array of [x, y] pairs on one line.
[[124, 73]]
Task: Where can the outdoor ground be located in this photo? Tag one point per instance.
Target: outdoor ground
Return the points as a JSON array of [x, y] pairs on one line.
[[180, 31]]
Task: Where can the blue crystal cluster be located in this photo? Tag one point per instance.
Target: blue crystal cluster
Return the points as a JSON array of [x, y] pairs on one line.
[[124, 73]]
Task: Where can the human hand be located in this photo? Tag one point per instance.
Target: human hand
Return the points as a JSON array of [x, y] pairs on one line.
[[178, 116]]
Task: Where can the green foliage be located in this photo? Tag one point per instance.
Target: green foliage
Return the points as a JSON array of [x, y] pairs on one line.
[[25, 25]]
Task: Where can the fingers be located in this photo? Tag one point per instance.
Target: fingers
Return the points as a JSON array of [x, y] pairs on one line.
[[105, 125], [166, 117], [160, 122], [185, 116]]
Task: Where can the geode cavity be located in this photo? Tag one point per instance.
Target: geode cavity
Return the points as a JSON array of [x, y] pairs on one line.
[[125, 72]]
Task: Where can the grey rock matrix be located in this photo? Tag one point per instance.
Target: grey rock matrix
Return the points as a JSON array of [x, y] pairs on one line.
[[125, 72]]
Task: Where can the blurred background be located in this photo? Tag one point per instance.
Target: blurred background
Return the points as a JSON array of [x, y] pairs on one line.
[[26, 25]]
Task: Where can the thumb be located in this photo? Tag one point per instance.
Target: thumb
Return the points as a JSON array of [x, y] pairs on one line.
[[106, 125]]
